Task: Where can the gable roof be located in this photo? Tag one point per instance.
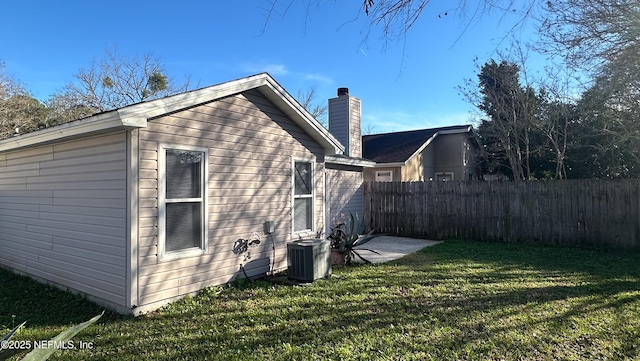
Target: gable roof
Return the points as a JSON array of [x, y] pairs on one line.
[[399, 147], [136, 115]]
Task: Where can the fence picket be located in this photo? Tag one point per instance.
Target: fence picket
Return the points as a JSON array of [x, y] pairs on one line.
[[567, 212]]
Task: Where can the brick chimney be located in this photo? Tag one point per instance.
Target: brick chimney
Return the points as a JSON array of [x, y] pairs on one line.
[[345, 121]]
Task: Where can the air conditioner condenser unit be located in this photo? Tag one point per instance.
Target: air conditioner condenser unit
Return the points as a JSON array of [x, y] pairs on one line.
[[309, 259]]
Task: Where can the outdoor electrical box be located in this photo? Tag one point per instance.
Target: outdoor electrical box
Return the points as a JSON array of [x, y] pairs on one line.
[[309, 259], [269, 227]]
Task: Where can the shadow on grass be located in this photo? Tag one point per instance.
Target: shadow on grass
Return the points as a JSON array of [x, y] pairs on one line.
[[22, 299], [446, 302], [440, 291]]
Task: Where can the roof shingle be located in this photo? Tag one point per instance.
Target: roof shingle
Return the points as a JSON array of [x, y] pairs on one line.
[[397, 147]]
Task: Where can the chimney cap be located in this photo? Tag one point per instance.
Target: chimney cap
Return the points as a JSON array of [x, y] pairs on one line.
[[343, 91]]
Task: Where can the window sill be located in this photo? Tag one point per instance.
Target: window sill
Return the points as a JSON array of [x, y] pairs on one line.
[[175, 255]]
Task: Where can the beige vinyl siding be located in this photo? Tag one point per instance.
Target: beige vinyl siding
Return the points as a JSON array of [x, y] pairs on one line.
[[63, 214], [345, 194], [252, 145], [414, 170]]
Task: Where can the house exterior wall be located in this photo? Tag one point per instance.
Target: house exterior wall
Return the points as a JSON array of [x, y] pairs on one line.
[[370, 173], [414, 170], [252, 146], [470, 160], [63, 214], [428, 163], [345, 191], [449, 153]]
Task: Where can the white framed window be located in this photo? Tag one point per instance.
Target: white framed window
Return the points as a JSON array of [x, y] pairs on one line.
[[444, 176], [384, 176], [182, 201], [303, 194]]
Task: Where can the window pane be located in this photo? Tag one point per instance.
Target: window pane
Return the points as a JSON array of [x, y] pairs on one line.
[[183, 172], [183, 226], [302, 178], [383, 177], [302, 213]]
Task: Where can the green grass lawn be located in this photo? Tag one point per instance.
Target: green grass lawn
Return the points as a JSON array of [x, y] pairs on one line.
[[457, 300]]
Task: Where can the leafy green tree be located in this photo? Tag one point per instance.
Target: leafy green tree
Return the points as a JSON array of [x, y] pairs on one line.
[[607, 133], [511, 108], [19, 111], [600, 38], [64, 108]]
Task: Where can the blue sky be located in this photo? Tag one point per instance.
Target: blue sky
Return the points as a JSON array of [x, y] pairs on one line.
[[407, 83]]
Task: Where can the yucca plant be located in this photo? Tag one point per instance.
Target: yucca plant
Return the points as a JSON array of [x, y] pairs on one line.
[[345, 236], [41, 354]]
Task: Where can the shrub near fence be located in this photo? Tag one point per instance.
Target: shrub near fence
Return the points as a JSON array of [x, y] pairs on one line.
[[586, 213]]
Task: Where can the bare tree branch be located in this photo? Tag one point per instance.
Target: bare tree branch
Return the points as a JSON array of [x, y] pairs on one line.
[[116, 81]]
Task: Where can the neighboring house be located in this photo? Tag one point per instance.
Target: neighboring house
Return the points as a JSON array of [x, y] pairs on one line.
[[142, 205], [446, 153]]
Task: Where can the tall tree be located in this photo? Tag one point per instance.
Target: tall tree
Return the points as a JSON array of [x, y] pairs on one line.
[[601, 38], [116, 81], [64, 108], [589, 33], [608, 131], [19, 111], [557, 118], [511, 109]]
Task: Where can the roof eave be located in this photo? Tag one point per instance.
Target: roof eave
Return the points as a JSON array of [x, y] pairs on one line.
[[100, 123], [467, 129], [388, 165], [137, 115], [344, 160], [285, 102]]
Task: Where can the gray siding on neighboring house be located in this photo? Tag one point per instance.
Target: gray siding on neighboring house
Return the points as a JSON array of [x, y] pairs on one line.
[[63, 214], [252, 145], [449, 150], [345, 193]]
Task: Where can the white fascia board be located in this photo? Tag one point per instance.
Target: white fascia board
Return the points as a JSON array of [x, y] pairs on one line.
[[136, 115], [388, 165], [343, 160], [99, 123], [421, 148], [456, 131], [132, 116], [440, 132], [301, 116]]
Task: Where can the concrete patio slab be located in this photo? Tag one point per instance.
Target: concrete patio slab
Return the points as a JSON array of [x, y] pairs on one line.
[[391, 248]]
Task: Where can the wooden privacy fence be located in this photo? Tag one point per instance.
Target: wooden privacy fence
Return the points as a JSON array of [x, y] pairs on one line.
[[569, 212]]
